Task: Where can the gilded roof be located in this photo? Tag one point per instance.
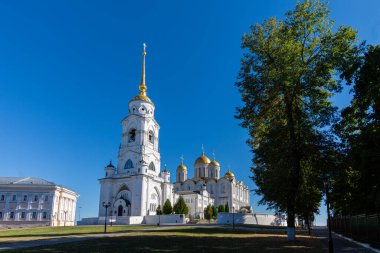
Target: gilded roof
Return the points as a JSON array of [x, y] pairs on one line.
[[202, 159]]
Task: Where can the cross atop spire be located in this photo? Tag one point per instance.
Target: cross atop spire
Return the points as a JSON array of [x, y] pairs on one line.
[[203, 150], [182, 158], [213, 155], [142, 86]]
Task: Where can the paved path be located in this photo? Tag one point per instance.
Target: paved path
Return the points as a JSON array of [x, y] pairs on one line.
[[341, 245]]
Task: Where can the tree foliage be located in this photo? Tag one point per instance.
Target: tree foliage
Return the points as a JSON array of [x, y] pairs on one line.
[[208, 212], [214, 212], [221, 209], [227, 208], [167, 208], [286, 81], [158, 210], [180, 207], [357, 185]]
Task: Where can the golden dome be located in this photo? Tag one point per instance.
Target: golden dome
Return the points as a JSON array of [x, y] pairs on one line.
[[229, 175], [142, 96], [181, 167], [215, 163], [202, 159]]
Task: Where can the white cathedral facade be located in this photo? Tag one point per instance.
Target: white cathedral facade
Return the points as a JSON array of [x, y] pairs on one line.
[[137, 186]]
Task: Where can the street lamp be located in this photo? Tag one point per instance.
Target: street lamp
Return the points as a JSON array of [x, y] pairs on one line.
[[233, 217], [327, 189], [106, 205]]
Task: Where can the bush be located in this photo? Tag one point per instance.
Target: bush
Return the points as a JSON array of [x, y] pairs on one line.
[[221, 209]]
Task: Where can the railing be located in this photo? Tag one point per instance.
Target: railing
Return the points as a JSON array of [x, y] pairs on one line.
[[363, 228]]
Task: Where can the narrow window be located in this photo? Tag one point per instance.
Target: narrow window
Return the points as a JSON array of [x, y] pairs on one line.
[[44, 215], [46, 198], [128, 164], [12, 215], [35, 198], [34, 215], [1, 215], [151, 137], [14, 198], [23, 215], [2, 197], [25, 197], [152, 167], [132, 135]]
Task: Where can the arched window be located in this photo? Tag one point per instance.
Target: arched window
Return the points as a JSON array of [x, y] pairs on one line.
[[132, 135], [151, 137], [152, 167], [128, 164]]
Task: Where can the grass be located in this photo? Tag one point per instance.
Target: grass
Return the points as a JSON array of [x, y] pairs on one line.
[[191, 239], [37, 233]]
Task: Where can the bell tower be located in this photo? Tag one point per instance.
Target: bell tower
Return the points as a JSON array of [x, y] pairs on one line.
[[138, 151]]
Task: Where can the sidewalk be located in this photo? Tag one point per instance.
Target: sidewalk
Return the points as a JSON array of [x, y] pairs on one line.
[[340, 244]]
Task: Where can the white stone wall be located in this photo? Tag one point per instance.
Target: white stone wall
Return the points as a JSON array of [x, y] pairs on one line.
[[33, 205]]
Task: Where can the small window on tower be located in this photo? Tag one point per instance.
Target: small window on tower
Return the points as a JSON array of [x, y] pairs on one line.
[[151, 137], [128, 164], [152, 167], [132, 135]]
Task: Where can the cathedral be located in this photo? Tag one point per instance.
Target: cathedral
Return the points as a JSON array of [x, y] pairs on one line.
[[136, 186]]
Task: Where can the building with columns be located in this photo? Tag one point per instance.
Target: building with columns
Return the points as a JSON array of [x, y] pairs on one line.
[[136, 186], [32, 201]]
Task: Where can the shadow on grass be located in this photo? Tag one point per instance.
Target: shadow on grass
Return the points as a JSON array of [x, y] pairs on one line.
[[179, 243]]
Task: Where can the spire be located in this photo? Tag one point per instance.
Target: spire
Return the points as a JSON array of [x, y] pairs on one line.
[[142, 86], [213, 155], [203, 150]]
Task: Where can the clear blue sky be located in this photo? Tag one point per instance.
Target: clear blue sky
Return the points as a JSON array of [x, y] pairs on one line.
[[69, 68]]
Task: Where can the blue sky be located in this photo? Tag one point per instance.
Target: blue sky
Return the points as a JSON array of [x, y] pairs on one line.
[[69, 68]]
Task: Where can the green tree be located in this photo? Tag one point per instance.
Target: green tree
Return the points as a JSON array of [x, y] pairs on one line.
[[180, 207], [158, 210], [221, 209], [214, 212], [357, 185], [208, 213], [227, 209], [167, 208], [286, 80]]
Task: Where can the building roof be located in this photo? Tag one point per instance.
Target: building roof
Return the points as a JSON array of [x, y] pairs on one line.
[[24, 180]]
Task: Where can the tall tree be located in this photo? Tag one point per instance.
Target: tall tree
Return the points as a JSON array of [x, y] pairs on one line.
[[180, 207], [167, 208], [357, 186], [286, 81]]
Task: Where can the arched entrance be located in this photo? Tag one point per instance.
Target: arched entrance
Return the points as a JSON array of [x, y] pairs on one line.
[[120, 211]]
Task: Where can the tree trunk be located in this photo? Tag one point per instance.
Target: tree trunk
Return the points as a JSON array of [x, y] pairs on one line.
[[295, 170]]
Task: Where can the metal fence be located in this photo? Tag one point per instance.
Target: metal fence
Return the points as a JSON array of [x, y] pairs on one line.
[[363, 228]]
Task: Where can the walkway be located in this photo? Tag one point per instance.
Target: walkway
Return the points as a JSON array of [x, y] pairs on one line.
[[341, 245]]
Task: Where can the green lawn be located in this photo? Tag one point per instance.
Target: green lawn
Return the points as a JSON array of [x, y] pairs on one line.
[[191, 239], [27, 234]]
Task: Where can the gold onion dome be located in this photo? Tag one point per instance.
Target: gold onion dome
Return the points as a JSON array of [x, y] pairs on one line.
[[202, 159], [181, 167], [215, 163], [229, 174]]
